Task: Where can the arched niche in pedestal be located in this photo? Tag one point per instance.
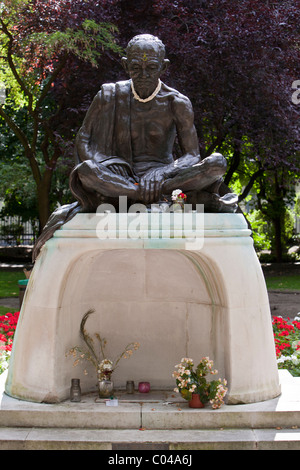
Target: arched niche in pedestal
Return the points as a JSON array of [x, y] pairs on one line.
[[176, 299]]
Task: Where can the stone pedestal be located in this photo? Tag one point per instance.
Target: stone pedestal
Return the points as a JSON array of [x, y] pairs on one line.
[[182, 285]]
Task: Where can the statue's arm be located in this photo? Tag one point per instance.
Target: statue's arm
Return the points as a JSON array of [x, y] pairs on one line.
[[83, 138], [93, 138], [187, 135]]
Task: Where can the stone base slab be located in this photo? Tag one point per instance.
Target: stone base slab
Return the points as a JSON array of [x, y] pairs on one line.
[[157, 423]]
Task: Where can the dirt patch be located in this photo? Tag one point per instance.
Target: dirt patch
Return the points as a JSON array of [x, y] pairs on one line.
[[284, 303], [12, 303]]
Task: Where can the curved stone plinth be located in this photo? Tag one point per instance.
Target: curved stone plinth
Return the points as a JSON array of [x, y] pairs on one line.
[[182, 285]]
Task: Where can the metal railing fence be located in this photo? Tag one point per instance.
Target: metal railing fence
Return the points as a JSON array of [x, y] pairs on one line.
[[15, 232]]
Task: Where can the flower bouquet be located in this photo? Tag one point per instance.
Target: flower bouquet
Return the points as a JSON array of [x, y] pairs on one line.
[[96, 353], [190, 381], [178, 198]]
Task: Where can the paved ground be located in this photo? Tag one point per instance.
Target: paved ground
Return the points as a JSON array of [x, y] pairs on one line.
[[284, 303], [10, 302]]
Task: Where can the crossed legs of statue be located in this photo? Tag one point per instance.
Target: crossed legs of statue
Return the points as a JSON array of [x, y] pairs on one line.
[[201, 183]]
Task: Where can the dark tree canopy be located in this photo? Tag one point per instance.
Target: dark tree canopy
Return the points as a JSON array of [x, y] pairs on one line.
[[235, 60]]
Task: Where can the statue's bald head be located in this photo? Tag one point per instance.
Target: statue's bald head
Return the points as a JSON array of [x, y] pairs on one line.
[[140, 39], [145, 63]]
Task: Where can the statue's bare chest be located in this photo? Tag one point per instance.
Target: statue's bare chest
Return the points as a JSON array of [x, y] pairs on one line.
[[150, 122]]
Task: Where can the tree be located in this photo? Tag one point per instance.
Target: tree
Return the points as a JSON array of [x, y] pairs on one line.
[[34, 52], [274, 197]]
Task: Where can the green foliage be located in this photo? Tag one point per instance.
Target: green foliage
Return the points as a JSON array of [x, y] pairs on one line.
[[263, 232], [260, 231], [18, 190], [28, 68], [289, 221], [18, 194], [297, 205], [85, 43]]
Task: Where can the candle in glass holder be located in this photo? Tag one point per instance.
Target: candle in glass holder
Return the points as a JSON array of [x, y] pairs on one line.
[[130, 386], [144, 387], [75, 391]]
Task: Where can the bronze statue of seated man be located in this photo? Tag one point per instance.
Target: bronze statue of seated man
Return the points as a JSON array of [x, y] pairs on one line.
[[125, 144]]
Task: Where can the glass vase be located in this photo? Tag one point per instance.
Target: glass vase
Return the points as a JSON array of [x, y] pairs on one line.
[[106, 388], [178, 206]]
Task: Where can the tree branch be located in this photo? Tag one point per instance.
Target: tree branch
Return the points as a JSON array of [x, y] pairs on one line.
[[25, 143], [248, 187], [13, 67], [234, 165], [51, 79]]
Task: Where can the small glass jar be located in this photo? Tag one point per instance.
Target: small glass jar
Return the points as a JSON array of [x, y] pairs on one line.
[[130, 386], [75, 390]]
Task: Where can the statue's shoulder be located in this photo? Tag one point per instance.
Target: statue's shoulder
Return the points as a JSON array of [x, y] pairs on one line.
[[108, 90], [179, 101]]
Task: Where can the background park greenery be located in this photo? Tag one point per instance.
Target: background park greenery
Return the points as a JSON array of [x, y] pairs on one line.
[[237, 62]]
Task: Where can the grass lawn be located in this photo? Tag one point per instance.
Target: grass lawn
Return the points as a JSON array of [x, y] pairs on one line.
[[289, 282], [9, 283]]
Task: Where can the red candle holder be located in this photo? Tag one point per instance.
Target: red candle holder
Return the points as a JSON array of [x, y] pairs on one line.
[[144, 387]]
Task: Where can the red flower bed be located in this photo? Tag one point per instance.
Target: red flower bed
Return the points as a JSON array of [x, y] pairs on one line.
[[285, 331], [287, 343], [8, 324]]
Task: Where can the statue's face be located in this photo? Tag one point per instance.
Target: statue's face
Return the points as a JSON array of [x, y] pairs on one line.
[[145, 64]]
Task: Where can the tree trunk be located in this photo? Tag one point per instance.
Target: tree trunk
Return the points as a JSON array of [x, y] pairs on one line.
[[236, 159], [277, 241], [43, 193]]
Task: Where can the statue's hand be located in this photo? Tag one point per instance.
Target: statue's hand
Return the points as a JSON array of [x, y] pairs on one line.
[[150, 185], [118, 169]]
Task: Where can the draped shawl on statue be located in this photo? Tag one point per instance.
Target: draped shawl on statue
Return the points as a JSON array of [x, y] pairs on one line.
[[104, 136]]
